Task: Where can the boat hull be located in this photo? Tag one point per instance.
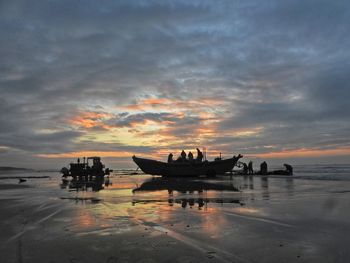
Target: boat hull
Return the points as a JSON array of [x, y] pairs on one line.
[[186, 169]]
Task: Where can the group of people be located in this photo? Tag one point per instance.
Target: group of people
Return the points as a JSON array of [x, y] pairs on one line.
[[183, 157], [248, 169]]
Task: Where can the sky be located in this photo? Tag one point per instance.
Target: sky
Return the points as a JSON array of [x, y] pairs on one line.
[[267, 79]]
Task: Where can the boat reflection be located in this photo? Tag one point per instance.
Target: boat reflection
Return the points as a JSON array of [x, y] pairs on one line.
[[201, 192], [183, 185], [94, 184]]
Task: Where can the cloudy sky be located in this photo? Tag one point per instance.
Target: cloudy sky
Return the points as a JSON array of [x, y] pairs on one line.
[[268, 79]]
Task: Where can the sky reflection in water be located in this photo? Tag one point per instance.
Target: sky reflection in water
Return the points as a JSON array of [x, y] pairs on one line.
[[199, 204]]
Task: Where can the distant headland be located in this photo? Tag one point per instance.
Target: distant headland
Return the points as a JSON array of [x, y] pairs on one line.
[[9, 168]]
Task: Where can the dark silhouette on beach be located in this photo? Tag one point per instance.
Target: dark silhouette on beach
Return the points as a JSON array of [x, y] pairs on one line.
[[250, 168], [289, 168], [263, 168]]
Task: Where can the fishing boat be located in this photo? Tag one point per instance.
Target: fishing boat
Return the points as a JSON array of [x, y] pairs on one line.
[[186, 168]]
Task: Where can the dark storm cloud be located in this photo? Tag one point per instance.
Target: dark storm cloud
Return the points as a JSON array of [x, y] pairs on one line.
[[281, 65]]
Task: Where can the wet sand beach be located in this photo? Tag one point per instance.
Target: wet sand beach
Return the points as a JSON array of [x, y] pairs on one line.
[[137, 218]]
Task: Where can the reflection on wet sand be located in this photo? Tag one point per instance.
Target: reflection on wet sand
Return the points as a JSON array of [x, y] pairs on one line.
[[95, 184], [265, 188], [183, 185], [290, 186], [194, 187], [248, 182]]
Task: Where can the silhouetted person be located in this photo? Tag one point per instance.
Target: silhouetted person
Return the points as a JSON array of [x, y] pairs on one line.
[[183, 155], [170, 158], [263, 168], [245, 169], [250, 167], [190, 156], [199, 155], [289, 168], [78, 161]]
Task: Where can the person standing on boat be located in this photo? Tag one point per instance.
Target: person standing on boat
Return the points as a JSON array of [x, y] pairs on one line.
[[170, 158], [199, 156], [190, 156], [250, 167], [183, 155]]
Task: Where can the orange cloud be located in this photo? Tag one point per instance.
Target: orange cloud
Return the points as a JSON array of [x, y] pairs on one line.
[[89, 119], [247, 132], [156, 101]]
